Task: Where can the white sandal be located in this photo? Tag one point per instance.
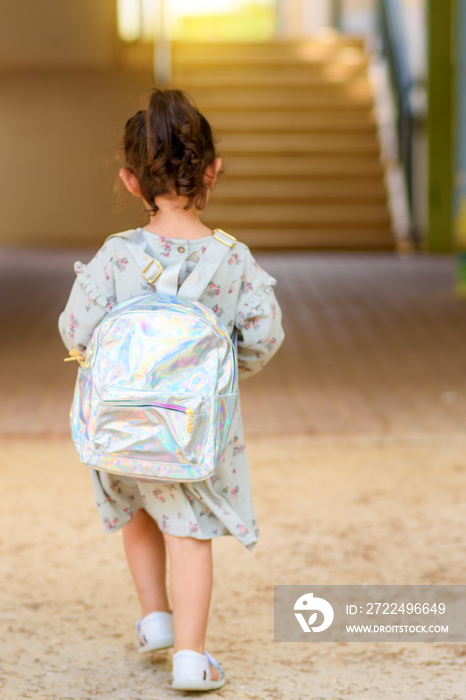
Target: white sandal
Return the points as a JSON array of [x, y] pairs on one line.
[[155, 631], [191, 671]]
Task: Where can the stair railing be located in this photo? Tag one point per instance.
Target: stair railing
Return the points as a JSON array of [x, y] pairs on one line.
[[394, 49]]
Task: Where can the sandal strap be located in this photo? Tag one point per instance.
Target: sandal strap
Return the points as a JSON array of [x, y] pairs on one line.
[[216, 664]]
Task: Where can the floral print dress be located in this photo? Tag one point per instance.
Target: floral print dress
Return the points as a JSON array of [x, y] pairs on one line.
[[242, 297]]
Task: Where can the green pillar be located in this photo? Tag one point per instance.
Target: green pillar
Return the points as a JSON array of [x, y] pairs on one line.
[[440, 126], [460, 146]]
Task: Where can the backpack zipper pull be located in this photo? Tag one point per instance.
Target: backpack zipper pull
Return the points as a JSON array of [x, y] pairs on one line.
[[190, 413], [74, 354]]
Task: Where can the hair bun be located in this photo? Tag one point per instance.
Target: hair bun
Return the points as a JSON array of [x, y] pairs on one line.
[[169, 146]]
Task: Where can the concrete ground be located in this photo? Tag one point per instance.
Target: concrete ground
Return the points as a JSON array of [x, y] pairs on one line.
[[356, 439]]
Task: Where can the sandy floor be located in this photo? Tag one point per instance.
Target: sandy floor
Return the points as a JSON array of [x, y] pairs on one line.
[[340, 511]]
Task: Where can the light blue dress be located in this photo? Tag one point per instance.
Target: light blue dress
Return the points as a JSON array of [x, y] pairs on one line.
[[241, 295]]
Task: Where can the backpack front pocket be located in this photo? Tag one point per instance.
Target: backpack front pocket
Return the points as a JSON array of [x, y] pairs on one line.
[[165, 435]]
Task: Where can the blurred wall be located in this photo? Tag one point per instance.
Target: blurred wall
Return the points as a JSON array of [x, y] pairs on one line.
[[65, 99], [299, 18], [305, 17], [56, 33]]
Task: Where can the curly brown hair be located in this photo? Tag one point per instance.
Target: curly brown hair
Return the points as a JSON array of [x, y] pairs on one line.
[[168, 147]]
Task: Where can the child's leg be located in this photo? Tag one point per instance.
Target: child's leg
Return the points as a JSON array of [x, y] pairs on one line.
[[191, 579], [145, 552]]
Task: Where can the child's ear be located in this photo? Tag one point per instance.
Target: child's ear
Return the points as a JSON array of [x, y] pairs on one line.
[[130, 181], [211, 173]]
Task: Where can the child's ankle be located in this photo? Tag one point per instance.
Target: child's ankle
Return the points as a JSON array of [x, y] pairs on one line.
[[148, 611]]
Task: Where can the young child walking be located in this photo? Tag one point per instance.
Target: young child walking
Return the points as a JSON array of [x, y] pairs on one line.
[[172, 164]]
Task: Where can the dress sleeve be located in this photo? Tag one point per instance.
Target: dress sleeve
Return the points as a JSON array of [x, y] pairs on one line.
[[92, 297], [258, 320]]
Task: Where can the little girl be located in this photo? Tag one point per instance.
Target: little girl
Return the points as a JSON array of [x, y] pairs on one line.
[[171, 164]]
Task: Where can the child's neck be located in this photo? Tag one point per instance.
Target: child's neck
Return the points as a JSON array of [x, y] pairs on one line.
[[173, 221]]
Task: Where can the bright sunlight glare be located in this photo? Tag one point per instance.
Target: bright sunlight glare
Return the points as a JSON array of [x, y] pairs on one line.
[[201, 7], [137, 19]]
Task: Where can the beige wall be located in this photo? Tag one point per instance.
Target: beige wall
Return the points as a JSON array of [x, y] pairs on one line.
[[59, 134], [57, 33], [64, 103]]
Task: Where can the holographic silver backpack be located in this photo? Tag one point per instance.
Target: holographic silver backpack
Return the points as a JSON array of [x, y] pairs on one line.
[[157, 387]]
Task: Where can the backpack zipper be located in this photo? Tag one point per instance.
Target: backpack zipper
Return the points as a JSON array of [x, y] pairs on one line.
[[169, 406]]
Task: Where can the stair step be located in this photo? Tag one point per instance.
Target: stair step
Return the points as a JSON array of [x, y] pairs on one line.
[[273, 167], [351, 120], [313, 61], [293, 98], [326, 38], [282, 80], [238, 144], [298, 72], [334, 190], [316, 238], [296, 215], [238, 53]]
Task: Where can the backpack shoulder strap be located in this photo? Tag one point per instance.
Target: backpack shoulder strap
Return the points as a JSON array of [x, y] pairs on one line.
[[198, 280], [151, 269], [166, 280]]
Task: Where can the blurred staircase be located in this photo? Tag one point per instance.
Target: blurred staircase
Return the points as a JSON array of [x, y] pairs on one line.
[[298, 137]]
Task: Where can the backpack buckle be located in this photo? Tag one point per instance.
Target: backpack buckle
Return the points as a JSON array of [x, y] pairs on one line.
[[231, 240], [159, 271]]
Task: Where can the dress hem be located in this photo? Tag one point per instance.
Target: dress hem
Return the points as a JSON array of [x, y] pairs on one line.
[[110, 528]]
